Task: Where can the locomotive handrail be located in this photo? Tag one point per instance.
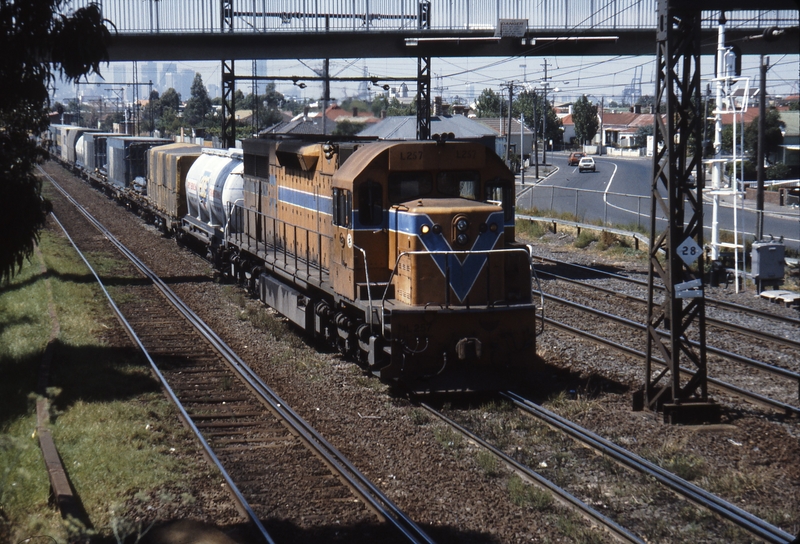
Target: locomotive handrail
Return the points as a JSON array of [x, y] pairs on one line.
[[278, 242], [450, 252], [369, 291]]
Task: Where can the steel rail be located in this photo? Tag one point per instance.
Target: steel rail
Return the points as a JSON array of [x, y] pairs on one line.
[[761, 365], [719, 506], [590, 513], [366, 489], [722, 303], [748, 395], [170, 393], [788, 342]]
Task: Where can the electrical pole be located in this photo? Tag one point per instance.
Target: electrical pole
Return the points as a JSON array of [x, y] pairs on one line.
[[522, 146], [535, 138], [508, 136], [760, 152], [544, 116]]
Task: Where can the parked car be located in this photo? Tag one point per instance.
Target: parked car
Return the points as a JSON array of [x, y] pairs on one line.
[[586, 164], [574, 158]]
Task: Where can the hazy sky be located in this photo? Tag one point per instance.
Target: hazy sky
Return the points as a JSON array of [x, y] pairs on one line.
[[573, 76], [606, 77]]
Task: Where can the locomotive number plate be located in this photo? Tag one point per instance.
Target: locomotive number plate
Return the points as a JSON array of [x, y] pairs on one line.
[[452, 155]]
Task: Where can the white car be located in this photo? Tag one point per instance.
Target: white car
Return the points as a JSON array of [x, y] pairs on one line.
[[586, 164]]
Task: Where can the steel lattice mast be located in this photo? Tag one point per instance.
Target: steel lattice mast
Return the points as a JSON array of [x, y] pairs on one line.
[[676, 255]]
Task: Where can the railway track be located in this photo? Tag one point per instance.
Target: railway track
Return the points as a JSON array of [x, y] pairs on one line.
[[710, 301], [753, 366], [259, 443], [606, 449]]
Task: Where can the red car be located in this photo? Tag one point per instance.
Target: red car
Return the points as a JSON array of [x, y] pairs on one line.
[[575, 158]]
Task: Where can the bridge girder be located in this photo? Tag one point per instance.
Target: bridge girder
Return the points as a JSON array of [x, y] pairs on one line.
[[429, 43]]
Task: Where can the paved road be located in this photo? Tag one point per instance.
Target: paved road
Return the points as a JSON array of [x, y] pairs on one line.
[[619, 194]]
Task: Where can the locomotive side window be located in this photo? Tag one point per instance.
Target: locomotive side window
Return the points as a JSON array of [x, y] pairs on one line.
[[342, 207], [370, 204], [499, 191], [463, 184], [405, 186]]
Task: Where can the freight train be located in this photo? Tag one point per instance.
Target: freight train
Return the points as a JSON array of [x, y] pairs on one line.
[[401, 254]]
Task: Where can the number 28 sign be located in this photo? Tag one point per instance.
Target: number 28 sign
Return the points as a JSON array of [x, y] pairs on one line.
[[689, 251]]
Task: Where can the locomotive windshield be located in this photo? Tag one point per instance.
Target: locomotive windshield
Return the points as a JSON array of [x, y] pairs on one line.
[[499, 192], [404, 186], [463, 184]]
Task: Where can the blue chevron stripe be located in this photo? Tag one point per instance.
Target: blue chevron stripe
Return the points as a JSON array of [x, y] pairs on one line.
[[463, 275]]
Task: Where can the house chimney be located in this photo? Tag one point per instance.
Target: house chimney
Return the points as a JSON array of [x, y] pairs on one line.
[[355, 112], [637, 108], [383, 114]]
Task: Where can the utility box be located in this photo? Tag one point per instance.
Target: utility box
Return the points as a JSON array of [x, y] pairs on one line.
[[767, 261]]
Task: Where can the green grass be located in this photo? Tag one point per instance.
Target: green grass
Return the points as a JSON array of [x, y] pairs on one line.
[[488, 463], [118, 437], [525, 494], [671, 456]]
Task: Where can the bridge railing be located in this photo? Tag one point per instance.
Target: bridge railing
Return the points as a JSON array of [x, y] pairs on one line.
[[317, 16]]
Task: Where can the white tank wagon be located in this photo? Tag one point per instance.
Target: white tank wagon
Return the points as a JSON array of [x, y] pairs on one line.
[[213, 184]]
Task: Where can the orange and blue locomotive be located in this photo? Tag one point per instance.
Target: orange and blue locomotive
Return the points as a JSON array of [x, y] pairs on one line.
[[402, 254]]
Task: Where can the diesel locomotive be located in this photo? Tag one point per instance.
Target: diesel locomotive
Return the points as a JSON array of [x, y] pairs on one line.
[[400, 254]]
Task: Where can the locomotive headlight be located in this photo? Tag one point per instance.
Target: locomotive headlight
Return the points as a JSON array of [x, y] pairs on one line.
[[425, 229], [462, 225], [493, 227], [462, 239]]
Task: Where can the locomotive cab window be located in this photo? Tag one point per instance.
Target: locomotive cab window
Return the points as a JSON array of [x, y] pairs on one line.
[[342, 207], [370, 204], [499, 192], [463, 184], [404, 186]]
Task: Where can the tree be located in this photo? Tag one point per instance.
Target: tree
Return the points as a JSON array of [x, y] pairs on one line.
[[381, 103], [199, 104], [264, 107], [773, 136], [397, 108], [531, 104], [489, 104], [170, 99], [32, 32], [643, 133], [347, 128], [584, 115]]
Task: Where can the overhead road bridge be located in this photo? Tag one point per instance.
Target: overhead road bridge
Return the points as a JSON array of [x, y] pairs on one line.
[[312, 29]]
